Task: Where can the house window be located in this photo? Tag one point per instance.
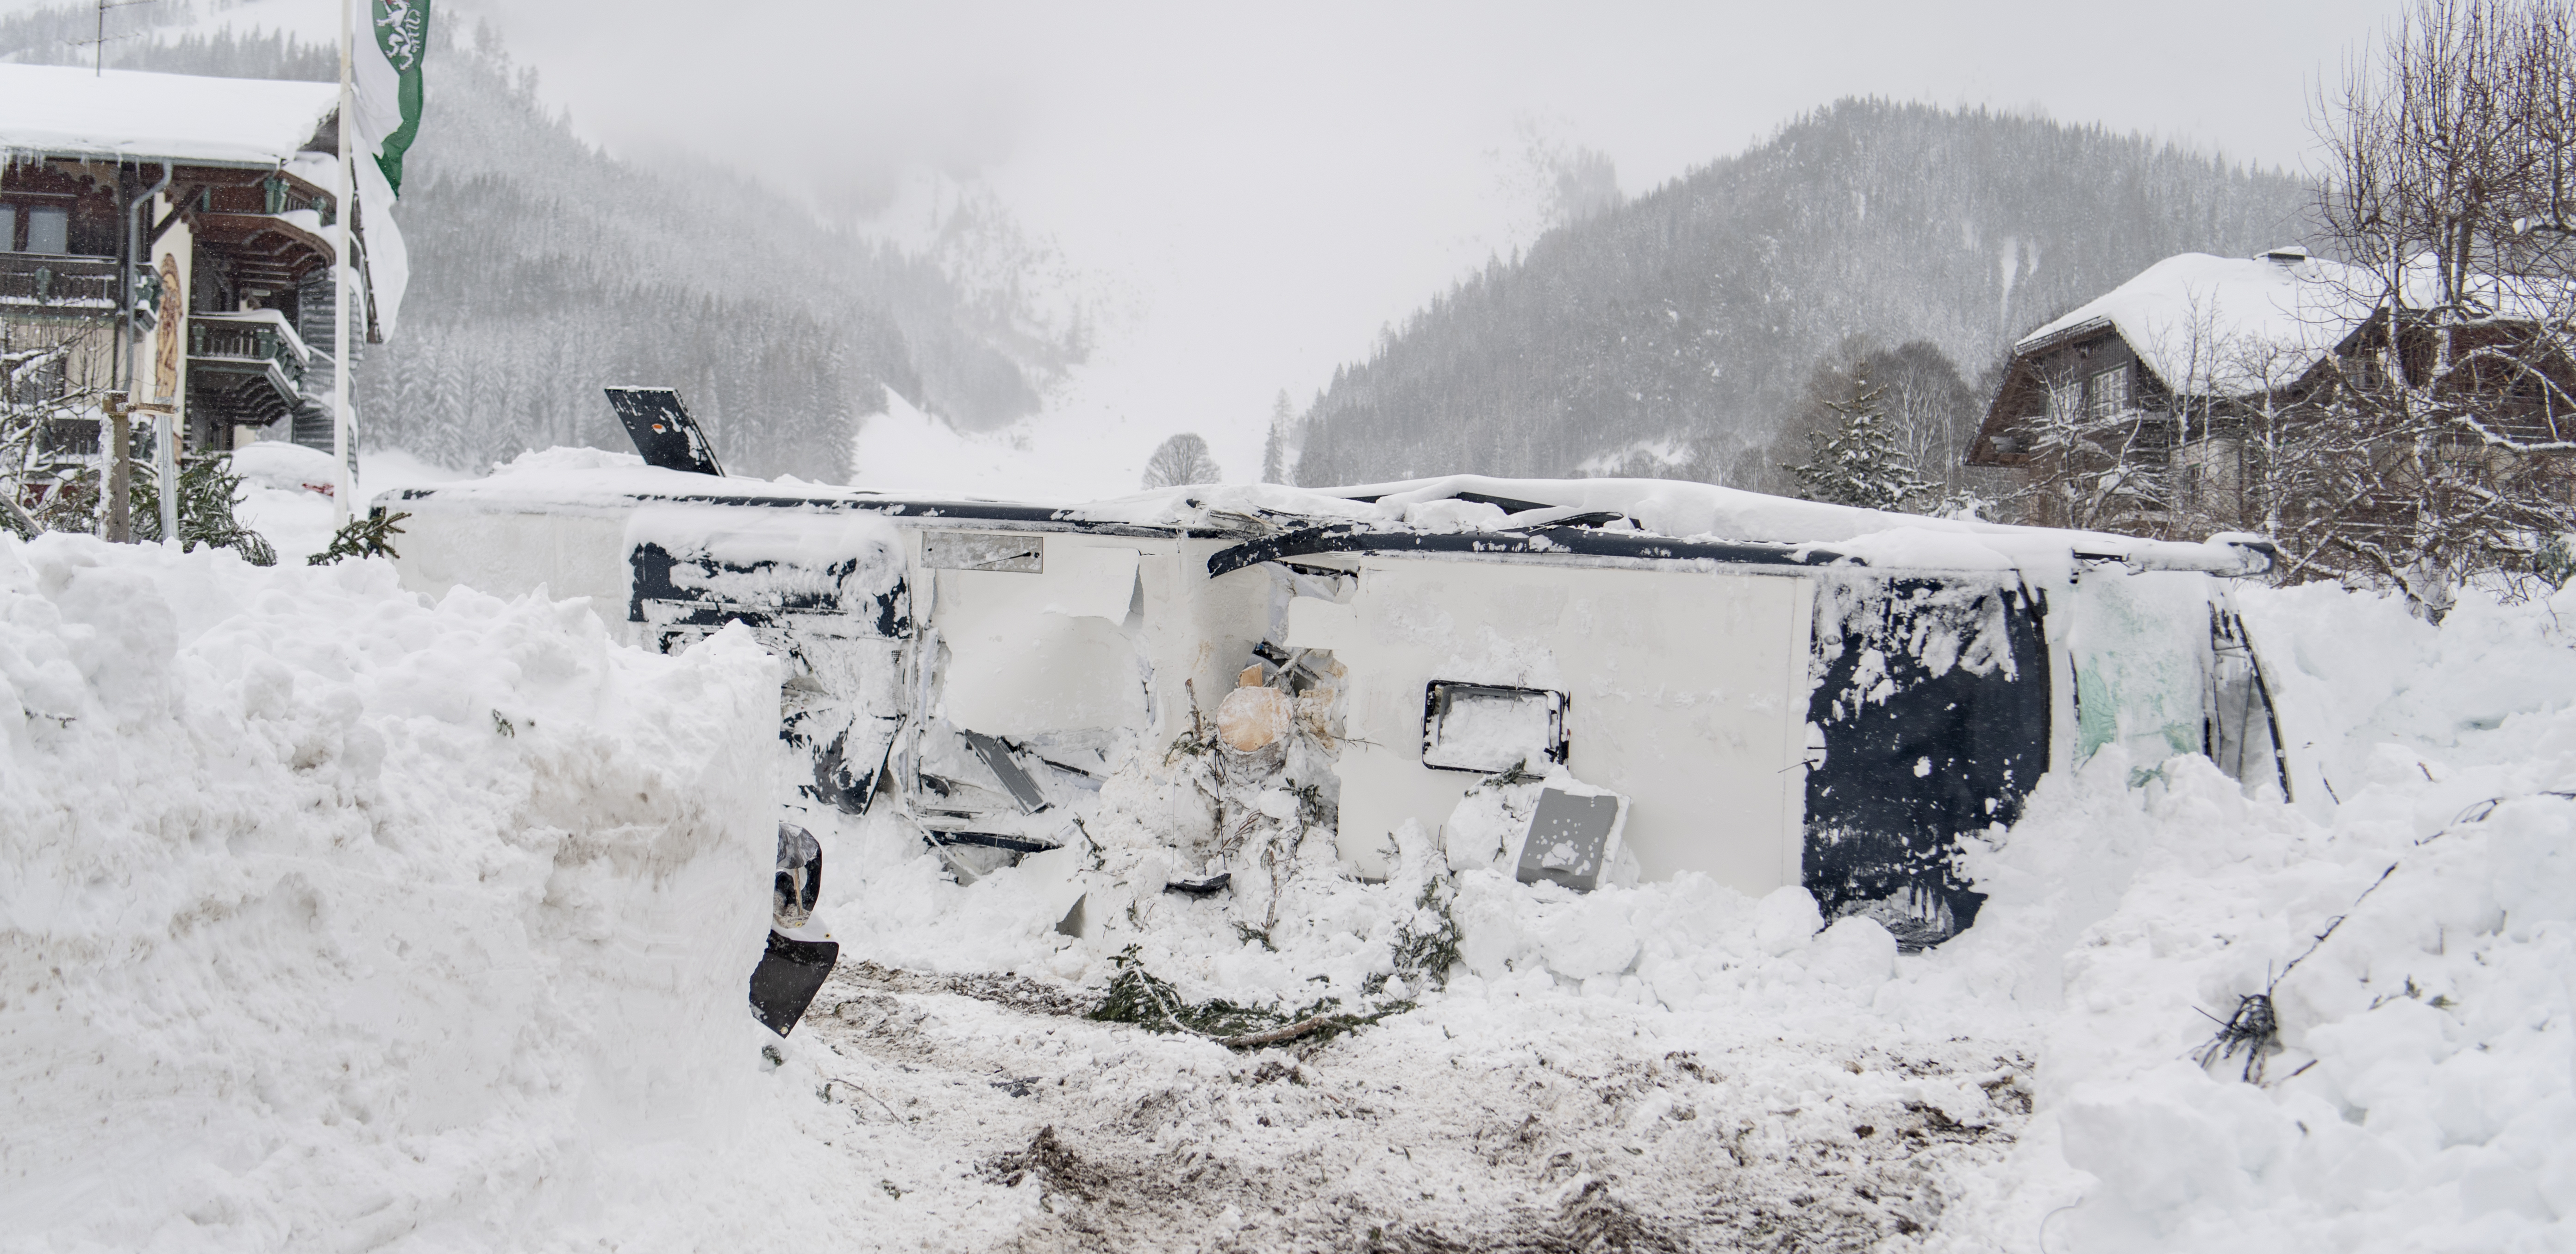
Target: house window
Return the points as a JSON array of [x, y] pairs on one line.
[[2066, 400], [1488, 729], [2108, 391], [49, 230], [8, 228]]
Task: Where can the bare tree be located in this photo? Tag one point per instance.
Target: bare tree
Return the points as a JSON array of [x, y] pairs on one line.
[[43, 487], [1182, 459], [2439, 449], [1932, 413], [1928, 415]]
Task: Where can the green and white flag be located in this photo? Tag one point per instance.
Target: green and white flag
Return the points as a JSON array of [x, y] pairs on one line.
[[387, 73], [384, 71]]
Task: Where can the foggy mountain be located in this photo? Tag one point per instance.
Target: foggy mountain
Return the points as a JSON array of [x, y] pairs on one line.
[[1676, 334], [543, 269]]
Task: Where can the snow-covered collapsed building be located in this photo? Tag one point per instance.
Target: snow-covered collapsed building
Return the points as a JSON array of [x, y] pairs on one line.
[[196, 214], [1762, 691]]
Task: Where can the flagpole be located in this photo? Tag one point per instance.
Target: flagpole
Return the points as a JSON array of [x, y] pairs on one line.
[[342, 499]]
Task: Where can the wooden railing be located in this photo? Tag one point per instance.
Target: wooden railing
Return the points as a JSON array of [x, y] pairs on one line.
[[54, 279], [247, 338]]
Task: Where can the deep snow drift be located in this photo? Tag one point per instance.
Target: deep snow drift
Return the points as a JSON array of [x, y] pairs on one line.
[[330, 919], [333, 919]]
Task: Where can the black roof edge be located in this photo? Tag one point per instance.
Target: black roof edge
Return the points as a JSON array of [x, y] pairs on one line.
[[1507, 504], [1547, 541], [953, 511]]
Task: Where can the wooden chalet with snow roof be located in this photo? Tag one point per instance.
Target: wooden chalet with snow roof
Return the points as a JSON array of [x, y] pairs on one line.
[[2140, 405], [170, 236], [2155, 373]]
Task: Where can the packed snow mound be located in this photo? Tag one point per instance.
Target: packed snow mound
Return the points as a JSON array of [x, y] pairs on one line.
[[2424, 1091], [565, 457], [2423, 1095], [330, 917], [286, 466]]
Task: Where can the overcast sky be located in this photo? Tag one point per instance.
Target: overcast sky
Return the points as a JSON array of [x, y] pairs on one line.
[[1250, 194]]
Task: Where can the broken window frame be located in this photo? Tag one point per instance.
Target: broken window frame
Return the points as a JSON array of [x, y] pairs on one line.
[[1439, 694]]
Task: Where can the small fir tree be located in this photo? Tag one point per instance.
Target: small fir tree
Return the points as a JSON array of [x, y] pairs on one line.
[[1858, 462], [209, 491], [1274, 450]]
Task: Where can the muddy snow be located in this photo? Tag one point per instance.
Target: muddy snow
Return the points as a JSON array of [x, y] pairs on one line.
[[1471, 1124]]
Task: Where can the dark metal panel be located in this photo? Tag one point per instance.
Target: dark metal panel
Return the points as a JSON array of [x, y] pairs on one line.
[[1919, 749], [663, 431]]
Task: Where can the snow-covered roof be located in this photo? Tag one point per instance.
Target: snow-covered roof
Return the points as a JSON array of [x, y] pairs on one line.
[[584, 480], [2226, 326], [53, 110]]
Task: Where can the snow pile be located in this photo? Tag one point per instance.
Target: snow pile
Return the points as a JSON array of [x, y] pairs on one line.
[[286, 466], [286, 489], [2421, 1098], [2425, 1092], [331, 917]]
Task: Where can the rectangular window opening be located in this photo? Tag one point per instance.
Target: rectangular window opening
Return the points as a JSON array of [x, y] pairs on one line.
[[2110, 391], [49, 231], [1490, 729]]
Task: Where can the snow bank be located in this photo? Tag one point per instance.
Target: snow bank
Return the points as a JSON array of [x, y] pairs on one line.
[[2425, 1097], [286, 491], [329, 917]]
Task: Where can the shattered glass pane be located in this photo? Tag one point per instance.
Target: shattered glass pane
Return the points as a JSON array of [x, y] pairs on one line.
[[977, 550]]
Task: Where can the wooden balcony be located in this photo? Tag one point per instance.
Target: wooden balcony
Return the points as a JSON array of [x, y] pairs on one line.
[[245, 369], [53, 282]]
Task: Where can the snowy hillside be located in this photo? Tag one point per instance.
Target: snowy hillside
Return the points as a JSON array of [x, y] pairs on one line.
[[1685, 321], [332, 916], [545, 268]]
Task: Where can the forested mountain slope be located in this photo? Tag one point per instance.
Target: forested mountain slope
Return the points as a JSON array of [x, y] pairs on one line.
[[1674, 334], [543, 269]]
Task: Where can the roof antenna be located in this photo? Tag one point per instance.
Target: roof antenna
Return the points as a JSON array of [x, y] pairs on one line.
[[99, 45]]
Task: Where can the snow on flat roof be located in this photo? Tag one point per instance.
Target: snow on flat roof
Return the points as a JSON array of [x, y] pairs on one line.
[[1686, 510], [2227, 326], [57, 110], [581, 480]]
